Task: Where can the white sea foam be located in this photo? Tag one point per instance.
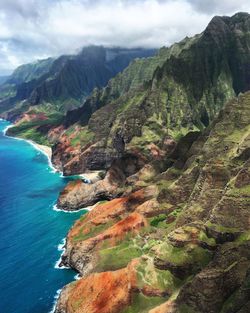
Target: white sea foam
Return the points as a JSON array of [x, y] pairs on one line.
[[60, 267], [61, 247], [55, 208], [77, 276], [55, 300], [5, 129]]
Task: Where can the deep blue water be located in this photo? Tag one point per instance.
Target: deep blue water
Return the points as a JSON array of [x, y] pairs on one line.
[[30, 230]]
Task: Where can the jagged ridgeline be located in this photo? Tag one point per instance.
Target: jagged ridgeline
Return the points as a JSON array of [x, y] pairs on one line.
[[64, 82], [179, 90]]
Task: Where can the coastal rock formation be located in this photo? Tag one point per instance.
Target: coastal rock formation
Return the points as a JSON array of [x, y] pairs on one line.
[[107, 223], [153, 102], [55, 86], [113, 298], [78, 194]]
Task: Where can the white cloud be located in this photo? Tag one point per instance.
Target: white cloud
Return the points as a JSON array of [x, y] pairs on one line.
[[31, 29]]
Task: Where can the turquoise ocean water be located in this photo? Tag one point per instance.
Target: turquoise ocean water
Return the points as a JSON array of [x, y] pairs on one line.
[[30, 230]]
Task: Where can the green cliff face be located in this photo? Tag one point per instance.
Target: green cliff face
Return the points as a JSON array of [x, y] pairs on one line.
[[179, 90]]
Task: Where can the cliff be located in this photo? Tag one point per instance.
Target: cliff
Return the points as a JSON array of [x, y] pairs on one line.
[[185, 87], [177, 238]]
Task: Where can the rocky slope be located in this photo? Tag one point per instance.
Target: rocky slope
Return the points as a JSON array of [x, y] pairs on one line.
[[184, 88], [177, 237]]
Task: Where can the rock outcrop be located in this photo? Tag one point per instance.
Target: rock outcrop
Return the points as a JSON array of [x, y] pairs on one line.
[[77, 194]]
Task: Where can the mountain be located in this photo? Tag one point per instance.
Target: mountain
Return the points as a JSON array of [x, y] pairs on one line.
[[66, 80], [176, 238], [171, 234], [179, 90], [165, 148]]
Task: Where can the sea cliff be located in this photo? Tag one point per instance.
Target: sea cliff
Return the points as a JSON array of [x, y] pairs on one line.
[[174, 234]]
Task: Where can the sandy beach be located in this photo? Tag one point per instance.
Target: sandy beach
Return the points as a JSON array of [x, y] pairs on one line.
[[92, 176], [45, 149]]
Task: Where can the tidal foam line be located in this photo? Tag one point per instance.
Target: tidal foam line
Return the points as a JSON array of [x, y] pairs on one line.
[[55, 300], [61, 247], [55, 208]]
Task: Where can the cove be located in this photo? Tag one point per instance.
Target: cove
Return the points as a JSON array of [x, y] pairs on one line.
[[30, 230]]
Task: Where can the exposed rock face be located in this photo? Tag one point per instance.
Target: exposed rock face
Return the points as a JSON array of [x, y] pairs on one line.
[[225, 274], [186, 223], [113, 298], [78, 195]]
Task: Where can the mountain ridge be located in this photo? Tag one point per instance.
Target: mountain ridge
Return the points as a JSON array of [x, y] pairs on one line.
[[189, 85], [42, 81]]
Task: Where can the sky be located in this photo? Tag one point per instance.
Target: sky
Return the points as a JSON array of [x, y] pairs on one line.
[[36, 29]]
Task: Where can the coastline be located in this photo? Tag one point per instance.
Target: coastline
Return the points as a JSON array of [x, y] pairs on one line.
[[46, 150]]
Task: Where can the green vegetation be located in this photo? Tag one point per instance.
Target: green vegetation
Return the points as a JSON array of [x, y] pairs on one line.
[[92, 231], [32, 130], [157, 219], [32, 134], [162, 280], [221, 228], [189, 254], [142, 303], [28, 72], [119, 256], [82, 137]]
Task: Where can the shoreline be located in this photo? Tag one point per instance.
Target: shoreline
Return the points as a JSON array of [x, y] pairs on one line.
[[89, 208], [45, 150]]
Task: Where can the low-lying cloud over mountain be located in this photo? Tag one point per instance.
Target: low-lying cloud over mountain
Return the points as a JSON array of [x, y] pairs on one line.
[[32, 29]]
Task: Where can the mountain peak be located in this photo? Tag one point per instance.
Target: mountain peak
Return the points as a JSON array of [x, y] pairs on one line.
[[240, 20]]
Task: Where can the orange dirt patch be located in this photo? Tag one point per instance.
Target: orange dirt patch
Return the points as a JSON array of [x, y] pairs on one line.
[[131, 223], [108, 292], [103, 213]]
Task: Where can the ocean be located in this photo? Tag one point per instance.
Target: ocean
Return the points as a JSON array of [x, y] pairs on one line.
[[31, 232]]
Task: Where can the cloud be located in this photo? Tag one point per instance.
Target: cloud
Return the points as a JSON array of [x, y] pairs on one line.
[[31, 29], [220, 7]]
